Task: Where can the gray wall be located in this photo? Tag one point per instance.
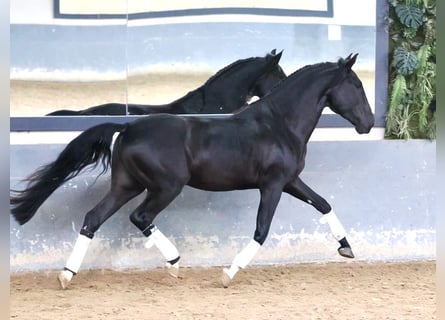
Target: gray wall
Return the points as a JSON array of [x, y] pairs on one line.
[[105, 49], [382, 191]]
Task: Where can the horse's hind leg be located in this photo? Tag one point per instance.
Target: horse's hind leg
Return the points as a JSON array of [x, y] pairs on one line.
[[300, 190], [93, 220], [142, 217]]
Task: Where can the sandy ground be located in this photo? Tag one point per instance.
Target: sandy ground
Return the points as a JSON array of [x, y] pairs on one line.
[[347, 291], [37, 98]]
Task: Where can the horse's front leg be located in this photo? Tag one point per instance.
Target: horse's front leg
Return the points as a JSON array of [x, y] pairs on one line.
[[268, 203], [300, 190]]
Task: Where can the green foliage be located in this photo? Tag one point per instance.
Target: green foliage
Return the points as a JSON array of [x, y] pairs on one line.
[[405, 61], [397, 94], [412, 69], [410, 15]]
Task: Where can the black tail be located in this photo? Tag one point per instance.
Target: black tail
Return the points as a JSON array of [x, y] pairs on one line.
[[90, 147]]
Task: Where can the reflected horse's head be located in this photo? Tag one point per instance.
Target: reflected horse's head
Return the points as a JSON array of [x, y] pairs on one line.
[[272, 75], [348, 99]]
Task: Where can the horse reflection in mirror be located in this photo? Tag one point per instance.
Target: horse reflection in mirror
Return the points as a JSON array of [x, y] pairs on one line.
[[261, 147], [226, 91]]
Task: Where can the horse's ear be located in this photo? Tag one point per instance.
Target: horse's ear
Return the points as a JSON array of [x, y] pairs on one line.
[[274, 57], [278, 56], [350, 61]]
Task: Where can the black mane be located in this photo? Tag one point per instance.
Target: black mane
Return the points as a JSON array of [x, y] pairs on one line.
[[227, 68]]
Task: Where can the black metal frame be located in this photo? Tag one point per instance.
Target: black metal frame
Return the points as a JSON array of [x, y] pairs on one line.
[[200, 12]]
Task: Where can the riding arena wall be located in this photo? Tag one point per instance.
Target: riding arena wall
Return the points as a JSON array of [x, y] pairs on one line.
[[382, 192]]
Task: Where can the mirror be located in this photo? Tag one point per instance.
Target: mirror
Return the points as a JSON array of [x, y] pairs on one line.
[[72, 55]]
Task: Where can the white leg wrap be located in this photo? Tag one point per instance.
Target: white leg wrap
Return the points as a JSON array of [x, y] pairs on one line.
[[165, 246], [243, 258], [336, 227], [79, 250]]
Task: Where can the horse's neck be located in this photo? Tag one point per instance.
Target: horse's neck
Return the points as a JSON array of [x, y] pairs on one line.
[[301, 104], [240, 76]]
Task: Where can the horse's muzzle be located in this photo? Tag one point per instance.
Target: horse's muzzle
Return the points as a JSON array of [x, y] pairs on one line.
[[365, 128]]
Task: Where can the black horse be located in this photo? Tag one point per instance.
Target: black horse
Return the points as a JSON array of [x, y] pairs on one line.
[[263, 146], [227, 90]]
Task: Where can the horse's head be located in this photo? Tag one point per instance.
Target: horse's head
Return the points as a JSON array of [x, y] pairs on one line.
[[272, 75], [347, 98]]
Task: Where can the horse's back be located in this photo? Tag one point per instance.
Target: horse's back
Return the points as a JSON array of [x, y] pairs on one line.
[[63, 112], [111, 109]]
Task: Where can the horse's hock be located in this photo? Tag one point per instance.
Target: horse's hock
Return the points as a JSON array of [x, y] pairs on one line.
[[381, 190]]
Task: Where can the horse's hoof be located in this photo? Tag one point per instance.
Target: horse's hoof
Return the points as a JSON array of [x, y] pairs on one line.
[[173, 269], [64, 278], [346, 252], [225, 279]]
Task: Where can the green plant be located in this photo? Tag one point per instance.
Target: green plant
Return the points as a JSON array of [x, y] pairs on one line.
[[412, 70]]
